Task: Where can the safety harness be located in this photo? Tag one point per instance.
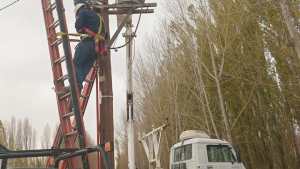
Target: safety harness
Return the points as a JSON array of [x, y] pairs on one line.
[[100, 46]]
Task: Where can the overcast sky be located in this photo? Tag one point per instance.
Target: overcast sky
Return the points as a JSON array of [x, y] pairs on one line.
[[25, 73]]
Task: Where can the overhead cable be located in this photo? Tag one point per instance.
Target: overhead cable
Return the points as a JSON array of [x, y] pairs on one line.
[[134, 34], [9, 5]]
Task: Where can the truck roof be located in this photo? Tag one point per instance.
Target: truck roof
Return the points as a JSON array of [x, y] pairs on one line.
[[200, 140]]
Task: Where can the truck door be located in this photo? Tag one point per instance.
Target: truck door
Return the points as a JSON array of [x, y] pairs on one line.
[[221, 157]]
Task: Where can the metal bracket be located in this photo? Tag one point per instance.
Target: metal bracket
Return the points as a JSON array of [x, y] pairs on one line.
[[124, 6], [124, 11], [127, 9], [114, 37]]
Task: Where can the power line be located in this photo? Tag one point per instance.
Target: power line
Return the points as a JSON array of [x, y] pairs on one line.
[[134, 34], [9, 5]]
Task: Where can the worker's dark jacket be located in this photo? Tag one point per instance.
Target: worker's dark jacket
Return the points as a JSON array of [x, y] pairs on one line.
[[85, 54]]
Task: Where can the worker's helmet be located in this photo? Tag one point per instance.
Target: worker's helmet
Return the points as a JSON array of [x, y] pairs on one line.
[[78, 6]]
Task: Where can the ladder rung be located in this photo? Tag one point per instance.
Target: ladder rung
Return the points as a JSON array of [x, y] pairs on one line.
[[63, 78], [51, 7], [56, 42], [71, 133], [54, 24], [61, 59], [68, 114], [74, 40], [88, 80], [83, 96], [64, 94]]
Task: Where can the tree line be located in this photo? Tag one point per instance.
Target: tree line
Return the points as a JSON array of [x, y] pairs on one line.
[[18, 134]]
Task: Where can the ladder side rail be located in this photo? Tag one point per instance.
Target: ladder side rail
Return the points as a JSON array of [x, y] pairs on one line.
[[53, 50], [87, 89], [83, 103], [72, 81], [57, 71], [54, 54], [70, 70]]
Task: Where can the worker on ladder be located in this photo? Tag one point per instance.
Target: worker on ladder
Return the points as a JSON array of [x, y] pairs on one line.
[[91, 27]]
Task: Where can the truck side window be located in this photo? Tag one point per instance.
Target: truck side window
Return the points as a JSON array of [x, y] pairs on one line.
[[179, 166], [183, 153], [220, 153]]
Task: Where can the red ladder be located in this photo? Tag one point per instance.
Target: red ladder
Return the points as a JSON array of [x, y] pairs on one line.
[[66, 95]]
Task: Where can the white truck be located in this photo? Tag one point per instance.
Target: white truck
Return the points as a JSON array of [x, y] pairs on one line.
[[196, 150]]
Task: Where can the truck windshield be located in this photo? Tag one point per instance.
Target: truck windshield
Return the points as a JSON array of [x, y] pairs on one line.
[[220, 153], [183, 153]]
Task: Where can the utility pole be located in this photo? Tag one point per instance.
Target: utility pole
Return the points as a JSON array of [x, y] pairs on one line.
[[106, 114], [124, 9], [128, 35]]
